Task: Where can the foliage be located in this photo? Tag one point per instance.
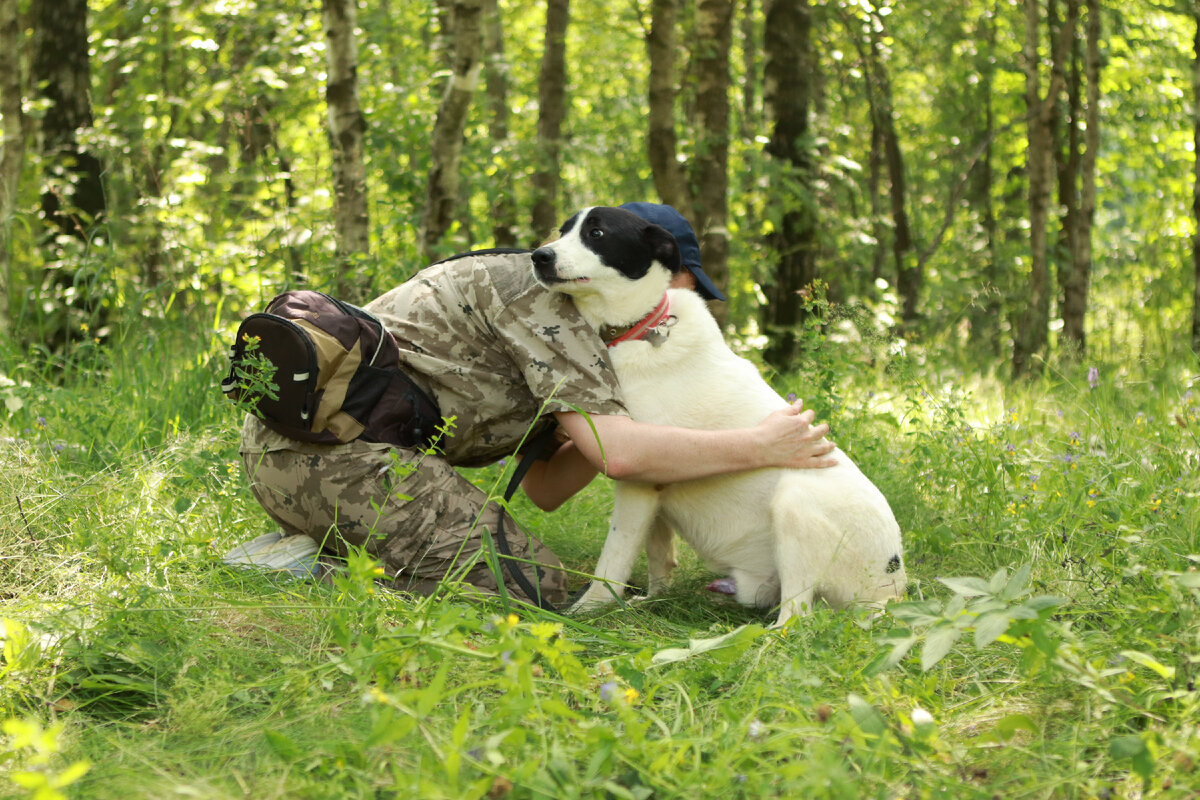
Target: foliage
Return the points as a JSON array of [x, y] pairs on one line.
[[1050, 639], [134, 651], [209, 121]]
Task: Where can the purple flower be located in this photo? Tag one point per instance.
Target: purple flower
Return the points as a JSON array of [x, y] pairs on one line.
[[791, 398], [1093, 377], [608, 691]]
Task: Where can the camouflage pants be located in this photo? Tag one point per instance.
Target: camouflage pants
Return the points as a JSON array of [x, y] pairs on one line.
[[353, 496]]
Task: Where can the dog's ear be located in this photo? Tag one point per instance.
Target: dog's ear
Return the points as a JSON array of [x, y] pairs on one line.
[[663, 246]]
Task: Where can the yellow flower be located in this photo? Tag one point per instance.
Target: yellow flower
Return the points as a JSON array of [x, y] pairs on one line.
[[513, 619], [631, 695]]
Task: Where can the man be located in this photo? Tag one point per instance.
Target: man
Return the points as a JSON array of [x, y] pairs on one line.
[[501, 356]]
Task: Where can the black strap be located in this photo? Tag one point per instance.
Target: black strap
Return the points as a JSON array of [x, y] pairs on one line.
[[541, 445]]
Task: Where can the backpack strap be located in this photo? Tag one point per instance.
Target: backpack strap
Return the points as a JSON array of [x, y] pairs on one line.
[[540, 446]]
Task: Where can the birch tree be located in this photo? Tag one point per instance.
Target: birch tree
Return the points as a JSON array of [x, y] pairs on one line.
[[347, 127], [1196, 180], [662, 142], [1031, 332], [1075, 272], [441, 195], [710, 163], [503, 205], [12, 153], [552, 112]]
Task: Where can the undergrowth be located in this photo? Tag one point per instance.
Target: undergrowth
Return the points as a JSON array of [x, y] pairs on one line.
[[1047, 646]]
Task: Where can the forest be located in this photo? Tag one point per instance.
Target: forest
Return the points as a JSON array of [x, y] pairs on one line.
[[965, 233]]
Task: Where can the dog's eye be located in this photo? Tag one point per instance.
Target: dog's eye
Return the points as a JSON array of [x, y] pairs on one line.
[[595, 233]]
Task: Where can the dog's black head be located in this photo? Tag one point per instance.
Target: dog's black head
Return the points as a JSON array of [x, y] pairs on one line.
[[603, 238]]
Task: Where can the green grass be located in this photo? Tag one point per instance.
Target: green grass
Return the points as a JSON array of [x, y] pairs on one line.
[[1064, 668]]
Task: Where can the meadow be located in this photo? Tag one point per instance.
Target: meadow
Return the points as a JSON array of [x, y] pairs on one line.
[[1047, 646]]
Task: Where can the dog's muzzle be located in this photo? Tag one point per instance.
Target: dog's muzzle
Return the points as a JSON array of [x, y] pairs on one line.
[[544, 264]]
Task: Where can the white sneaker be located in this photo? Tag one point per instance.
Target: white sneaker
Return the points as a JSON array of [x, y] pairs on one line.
[[296, 555]]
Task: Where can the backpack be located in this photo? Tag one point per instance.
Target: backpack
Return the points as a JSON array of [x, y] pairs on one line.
[[336, 375]]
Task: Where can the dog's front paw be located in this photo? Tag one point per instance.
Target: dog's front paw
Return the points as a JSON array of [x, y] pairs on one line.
[[597, 596]]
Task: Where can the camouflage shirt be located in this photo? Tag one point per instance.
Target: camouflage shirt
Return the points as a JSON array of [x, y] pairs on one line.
[[494, 349]]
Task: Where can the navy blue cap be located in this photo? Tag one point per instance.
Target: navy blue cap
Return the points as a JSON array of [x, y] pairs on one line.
[[689, 247]]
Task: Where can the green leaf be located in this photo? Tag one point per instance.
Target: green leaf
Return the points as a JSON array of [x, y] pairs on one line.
[[1126, 746], [967, 587], [1007, 726], [725, 647], [431, 695], [1189, 580], [865, 715], [900, 641], [282, 745], [1044, 601], [1148, 661], [990, 627], [938, 642], [1017, 583]]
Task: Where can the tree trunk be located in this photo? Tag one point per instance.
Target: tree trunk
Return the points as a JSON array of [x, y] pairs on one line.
[[441, 194], [1032, 329], [503, 205], [552, 112], [75, 199], [1065, 130], [347, 127], [662, 143], [749, 122], [710, 165], [908, 276], [788, 72], [1196, 182], [986, 307], [1075, 284], [12, 154]]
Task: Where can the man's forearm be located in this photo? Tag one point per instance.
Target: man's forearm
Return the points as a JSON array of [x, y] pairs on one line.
[[627, 450]]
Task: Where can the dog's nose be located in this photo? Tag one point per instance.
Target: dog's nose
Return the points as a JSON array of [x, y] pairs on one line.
[[543, 261]]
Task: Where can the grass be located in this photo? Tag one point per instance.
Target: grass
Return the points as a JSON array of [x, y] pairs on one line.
[[1048, 645]]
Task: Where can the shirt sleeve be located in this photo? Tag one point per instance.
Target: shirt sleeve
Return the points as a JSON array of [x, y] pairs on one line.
[[563, 360]]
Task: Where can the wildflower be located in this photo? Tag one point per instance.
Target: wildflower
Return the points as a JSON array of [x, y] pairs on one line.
[[608, 691], [1074, 437], [756, 730], [791, 398], [513, 619], [1093, 377], [631, 695]]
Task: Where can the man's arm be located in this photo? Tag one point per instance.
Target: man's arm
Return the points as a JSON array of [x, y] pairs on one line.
[[552, 482], [635, 451]]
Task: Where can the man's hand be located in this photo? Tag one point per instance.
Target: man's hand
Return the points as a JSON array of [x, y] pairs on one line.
[[789, 439]]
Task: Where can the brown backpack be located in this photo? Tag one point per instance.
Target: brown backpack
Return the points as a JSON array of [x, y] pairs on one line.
[[319, 370]]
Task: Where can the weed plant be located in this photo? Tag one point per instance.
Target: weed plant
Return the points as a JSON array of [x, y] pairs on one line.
[[1047, 646]]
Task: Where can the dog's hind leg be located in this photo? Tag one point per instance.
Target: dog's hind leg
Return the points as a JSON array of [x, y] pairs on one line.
[[635, 508], [803, 554], [660, 555]]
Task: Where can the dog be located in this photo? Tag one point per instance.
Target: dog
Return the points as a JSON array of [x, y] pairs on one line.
[[785, 536]]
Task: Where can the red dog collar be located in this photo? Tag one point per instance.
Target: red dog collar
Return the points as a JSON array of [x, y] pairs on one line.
[[647, 324]]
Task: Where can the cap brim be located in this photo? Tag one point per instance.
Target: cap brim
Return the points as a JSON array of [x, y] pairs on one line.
[[705, 287]]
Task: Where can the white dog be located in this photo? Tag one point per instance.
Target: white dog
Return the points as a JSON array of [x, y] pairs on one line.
[[784, 536]]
